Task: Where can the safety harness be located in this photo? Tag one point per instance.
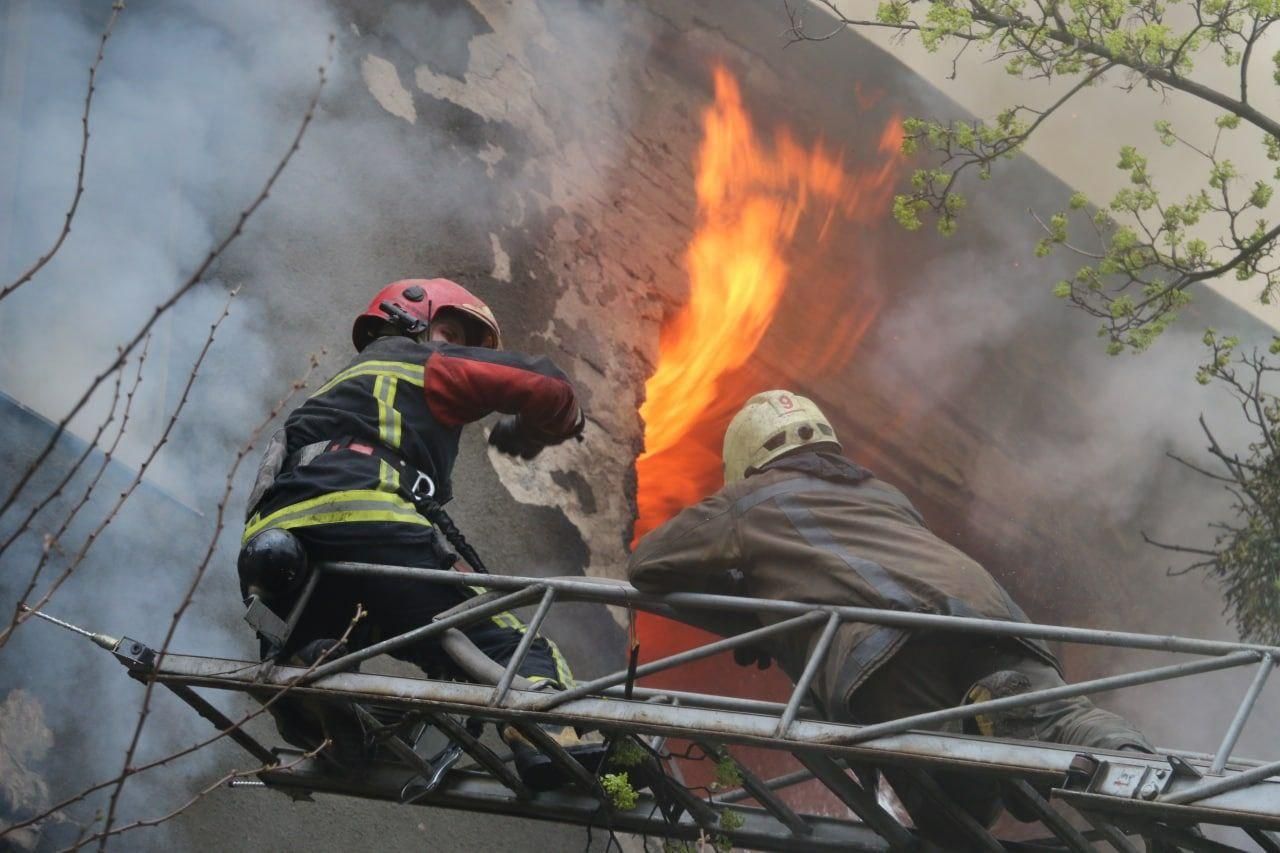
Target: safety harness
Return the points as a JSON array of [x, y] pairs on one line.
[[421, 493]]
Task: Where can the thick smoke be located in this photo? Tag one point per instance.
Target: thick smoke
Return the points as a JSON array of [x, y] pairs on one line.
[[192, 110], [195, 105], [1075, 443]]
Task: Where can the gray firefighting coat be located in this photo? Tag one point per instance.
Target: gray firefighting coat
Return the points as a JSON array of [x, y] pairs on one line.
[[814, 527]]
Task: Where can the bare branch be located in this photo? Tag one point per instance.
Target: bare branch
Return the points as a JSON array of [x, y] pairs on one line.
[[116, 8], [22, 615], [1181, 548], [1212, 476], [92, 445], [195, 582], [300, 678], [173, 299], [56, 537], [102, 837]]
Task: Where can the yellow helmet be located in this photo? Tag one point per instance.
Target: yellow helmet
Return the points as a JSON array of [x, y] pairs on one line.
[[769, 425]]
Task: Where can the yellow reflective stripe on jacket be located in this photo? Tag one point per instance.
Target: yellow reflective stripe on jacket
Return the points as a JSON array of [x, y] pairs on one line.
[[355, 505], [384, 391], [411, 373]]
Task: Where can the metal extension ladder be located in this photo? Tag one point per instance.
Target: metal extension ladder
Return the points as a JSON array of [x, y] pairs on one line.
[[420, 732]]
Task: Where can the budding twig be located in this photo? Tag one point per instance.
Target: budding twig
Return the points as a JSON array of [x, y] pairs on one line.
[[56, 491], [300, 678], [198, 576], [101, 837], [78, 559], [116, 9], [173, 299], [52, 539]]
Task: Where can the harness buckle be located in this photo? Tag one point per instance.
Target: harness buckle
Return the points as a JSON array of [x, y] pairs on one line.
[[415, 489]]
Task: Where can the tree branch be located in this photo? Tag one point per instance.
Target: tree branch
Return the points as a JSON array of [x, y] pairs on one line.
[[54, 538], [1151, 72], [21, 615], [102, 836], [173, 299], [116, 8], [195, 583], [1212, 476], [300, 678], [25, 525]]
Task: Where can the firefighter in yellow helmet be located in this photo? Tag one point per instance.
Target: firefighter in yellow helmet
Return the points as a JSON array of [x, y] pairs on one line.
[[798, 521]]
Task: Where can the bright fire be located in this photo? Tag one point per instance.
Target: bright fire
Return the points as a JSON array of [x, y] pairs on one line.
[[759, 202], [752, 199]]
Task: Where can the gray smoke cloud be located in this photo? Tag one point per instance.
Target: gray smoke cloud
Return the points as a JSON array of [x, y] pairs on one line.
[[1082, 439], [194, 107]]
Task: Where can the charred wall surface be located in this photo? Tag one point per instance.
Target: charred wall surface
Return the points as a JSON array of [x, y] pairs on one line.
[[543, 154]]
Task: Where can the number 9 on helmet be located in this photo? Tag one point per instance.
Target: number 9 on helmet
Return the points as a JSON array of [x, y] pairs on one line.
[[770, 425]]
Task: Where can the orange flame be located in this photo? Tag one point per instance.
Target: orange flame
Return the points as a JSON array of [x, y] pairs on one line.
[[752, 199], [755, 200]]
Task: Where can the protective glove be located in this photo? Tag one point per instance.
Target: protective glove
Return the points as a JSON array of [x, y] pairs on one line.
[[749, 655], [508, 436]]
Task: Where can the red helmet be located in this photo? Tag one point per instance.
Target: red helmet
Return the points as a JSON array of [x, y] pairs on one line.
[[422, 299]]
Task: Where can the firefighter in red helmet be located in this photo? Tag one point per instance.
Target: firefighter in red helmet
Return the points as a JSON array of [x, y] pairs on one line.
[[361, 470]]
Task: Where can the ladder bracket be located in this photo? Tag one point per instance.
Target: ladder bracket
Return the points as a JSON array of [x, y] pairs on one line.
[[1130, 781]]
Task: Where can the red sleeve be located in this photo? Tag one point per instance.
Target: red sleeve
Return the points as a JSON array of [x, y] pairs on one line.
[[463, 384]]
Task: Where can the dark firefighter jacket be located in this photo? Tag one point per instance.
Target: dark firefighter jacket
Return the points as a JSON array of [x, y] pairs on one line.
[[813, 527], [413, 399]]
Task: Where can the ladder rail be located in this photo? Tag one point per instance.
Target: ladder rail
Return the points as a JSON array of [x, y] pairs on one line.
[[1112, 790], [1254, 803], [620, 593]]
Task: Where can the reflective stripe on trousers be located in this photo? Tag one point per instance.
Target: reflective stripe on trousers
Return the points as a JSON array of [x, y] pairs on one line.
[[509, 620]]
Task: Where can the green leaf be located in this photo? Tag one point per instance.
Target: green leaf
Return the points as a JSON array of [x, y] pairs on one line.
[[906, 210], [1221, 173], [618, 787], [727, 774], [627, 753], [894, 13], [1261, 195], [1124, 238]]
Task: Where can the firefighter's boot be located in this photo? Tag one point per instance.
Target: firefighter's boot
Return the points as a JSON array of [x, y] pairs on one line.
[[538, 771], [1017, 723], [308, 723]]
